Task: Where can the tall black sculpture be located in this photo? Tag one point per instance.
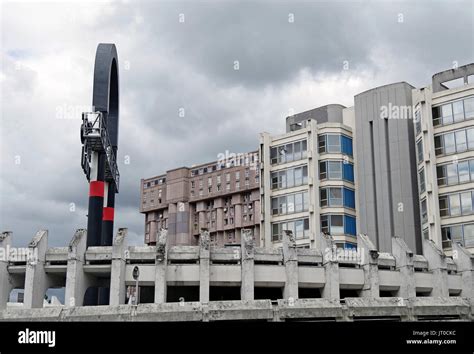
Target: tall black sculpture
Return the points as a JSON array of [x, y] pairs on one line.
[[99, 136]]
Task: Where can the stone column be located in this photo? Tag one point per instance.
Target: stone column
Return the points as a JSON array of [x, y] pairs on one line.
[[77, 282], [247, 264], [204, 265], [36, 279], [161, 263], [404, 264], [6, 285], [290, 259], [438, 267], [331, 267], [369, 262], [117, 274], [464, 261]]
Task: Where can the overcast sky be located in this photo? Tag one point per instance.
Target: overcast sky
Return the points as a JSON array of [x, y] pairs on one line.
[[165, 64]]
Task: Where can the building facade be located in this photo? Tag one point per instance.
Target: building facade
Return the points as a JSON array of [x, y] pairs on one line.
[[444, 129], [307, 183], [385, 155], [221, 196]]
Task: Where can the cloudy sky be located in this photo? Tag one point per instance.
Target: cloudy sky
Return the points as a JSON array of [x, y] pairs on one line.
[[291, 56]]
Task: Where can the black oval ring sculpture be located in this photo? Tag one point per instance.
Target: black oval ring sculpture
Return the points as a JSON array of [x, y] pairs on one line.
[[99, 135]]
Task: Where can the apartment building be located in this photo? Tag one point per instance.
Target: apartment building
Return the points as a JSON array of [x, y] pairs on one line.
[[222, 196], [444, 130], [307, 183]]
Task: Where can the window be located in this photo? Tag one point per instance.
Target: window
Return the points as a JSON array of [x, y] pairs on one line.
[[218, 179], [289, 204], [470, 138], [463, 171], [227, 187], [419, 149], [237, 175], [443, 206], [463, 234], [323, 197], [298, 203], [334, 170], [348, 172], [458, 141], [458, 111], [192, 184], [461, 143], [346, 145], [299, 228], [322, 143], [209, 181], [417, 122], [469, 108], [289, 152], [466, 203], [454, 205], [447, 114], [349, 198], [338, 224], [289, 178], [424, 211], [333, 143], [421, 177], [335, 196], [322, 170], [452, 174], [227, 177]]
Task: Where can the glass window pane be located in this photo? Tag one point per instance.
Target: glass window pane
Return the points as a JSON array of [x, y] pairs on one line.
[[419, 149], [438, 141], [273, 155], [443, 206], [290, 182], [337, 225], [466, 203], [421, 178], [452, 173], [298, 203], [282, 205], [441, 175], [349, 225], [424, 211], [305, 201], [291, 203], [469, 235], [346, 145], [305, 174], [436, 112], [322, 143], [335, 196], [306, 227], [304, 148], [458, 111], [463, 170], [322, 170], [456, 233], [335, 170], [299, 228], [447, 114], [470, 138], [461, 143], [324, 197], [289, 152], [290, 226], [454, 205], [471, 168], [349, 198], [297, 151], [469, 108], [324, 224], [449, 143], [274, 206], [333, 143], [348, 172], [298, 176]]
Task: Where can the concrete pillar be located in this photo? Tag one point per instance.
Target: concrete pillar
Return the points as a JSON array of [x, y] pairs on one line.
[[464, 261], [117, 273], [204, 265], [438, 267], [6, 285], [247, 264], [77, 282], [331, 266], [161, 263], [369, 262], [404, 264], [36, 279], [290, 259]]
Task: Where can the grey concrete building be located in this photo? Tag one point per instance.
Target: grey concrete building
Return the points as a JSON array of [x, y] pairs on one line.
[[385, 154], [444, 132]]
